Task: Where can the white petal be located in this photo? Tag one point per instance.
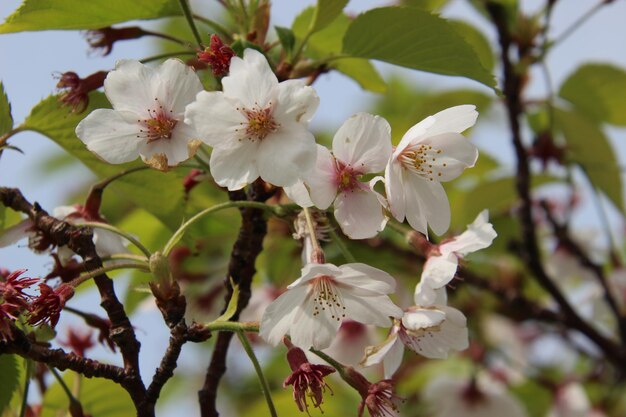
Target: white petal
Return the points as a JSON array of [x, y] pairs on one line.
[[15, 233], [308, 330], [455, 119], [364, 142], [457, 153], [393, 359], [370, 310], [296, 102], [310, 271], [479, 235], [286, 156], [112, 135], [278, 316], [365, 277], [359, 214], [176, 149], [426, 203], [108, 243], [424, 295], [177, 85], [251, 80], [234, 168], [299, 194], [394, 188], [131, 87], [439, 270], [414, 134], [422, 318], [389, 352], [322, 180], [216, 119]]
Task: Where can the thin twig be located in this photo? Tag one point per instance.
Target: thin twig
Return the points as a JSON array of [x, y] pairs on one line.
[[259, 371]]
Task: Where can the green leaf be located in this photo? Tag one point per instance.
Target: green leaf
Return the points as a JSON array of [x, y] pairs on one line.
[[231, 309], [159, 193], [6, 120], [9, 379], [413, 38], [431, 5], [99, 397], [478, 41], [589, 148], [35, 15], [598, 91], [325, 12], [287, 39], [363, 72]]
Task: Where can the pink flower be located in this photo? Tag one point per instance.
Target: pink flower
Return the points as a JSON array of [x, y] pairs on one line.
[[218, 56], [48, 305], [307, 380]]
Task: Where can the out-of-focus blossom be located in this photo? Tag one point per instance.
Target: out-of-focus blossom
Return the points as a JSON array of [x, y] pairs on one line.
[[79, 341], [570, 400]]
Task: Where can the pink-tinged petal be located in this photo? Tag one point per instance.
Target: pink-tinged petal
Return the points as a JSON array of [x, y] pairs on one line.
[[359, 214], [299, 194], [286, 156], [15, 233], [422, 318], [414, 134], [234, 168], [112, 135], [296, 102], [216, 119], [457, 153], [394, 188], [322, 180], [309, 330], [175, 149], [131, 86], [455, 119], [439, 270], [479, 235], [251, 80], [278, 316], [364, 143], [310, 271], [370, 310], [362, 276], [426, 203], [177, 85]]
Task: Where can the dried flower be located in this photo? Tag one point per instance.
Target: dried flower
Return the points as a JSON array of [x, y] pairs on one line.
[[307, 380], [48, 305], [75, 90], [103, 39], [217, 56]]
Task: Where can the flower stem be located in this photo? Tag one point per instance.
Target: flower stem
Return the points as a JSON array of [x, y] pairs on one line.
[[183, 228], [232, 326], [317, 253], [94, 273], [214, 25], [127, 236], [342, 246], [165, 55], [192, 25], [259, 371], [29, 369], [63, 385], [341, 369], [5, 138]]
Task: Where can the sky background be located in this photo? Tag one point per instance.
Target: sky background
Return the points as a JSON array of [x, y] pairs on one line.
[[28, 62]]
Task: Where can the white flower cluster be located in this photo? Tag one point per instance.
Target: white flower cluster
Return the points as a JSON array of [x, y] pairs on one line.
[[258, 128]]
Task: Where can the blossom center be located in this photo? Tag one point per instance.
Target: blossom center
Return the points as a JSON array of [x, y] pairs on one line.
[[159, 125], [260, 123], [346, 177], [423, 159], [327, 297]]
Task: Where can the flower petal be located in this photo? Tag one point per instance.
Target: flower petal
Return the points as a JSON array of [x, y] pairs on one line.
[[278, 316], [216, 119], [426, 296], [175, 149], [364, 277], [296, 102], [309, 330], [364, 142], [299, 194], [390, 351], [439, 270], [111, 134], [15, 233], [251, 80], [427, 204], [286, 155], [131, 87], [234, 168], [177, 85], [359, 214], [422, 318], [370, 310], [394, 188], [479, 235], [454, 119], [310, 271], [322, 180], [457, 153]]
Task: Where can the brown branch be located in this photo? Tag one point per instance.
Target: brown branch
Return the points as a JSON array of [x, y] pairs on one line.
[[241, 269], [80, 240], [513, 86], [165, 371]]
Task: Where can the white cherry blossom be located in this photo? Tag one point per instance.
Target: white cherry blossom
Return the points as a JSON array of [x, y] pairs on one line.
[[440, 269], [147, 116], [431, 152], [362, 145], [313, 307], [571, 400], [257, 126]]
